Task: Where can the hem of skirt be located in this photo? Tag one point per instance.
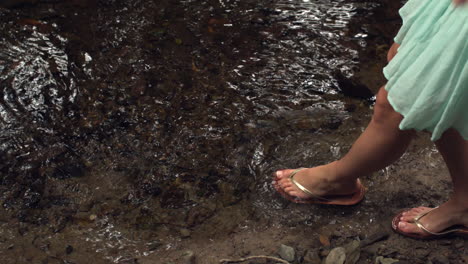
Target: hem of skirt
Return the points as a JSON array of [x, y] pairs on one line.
[[395, 107], [434, 136]]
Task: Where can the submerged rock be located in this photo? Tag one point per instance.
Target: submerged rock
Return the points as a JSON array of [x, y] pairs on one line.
[[376, 237], [353, 252], [382, 260], [189, 257], [336, 256], [287, 253], [184, 233]]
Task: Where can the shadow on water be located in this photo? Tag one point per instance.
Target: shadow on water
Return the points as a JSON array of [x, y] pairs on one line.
[[127, 122]]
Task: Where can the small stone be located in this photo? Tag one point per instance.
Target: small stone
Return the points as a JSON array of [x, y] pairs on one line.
[[336, 256], [353, 252], [188, 257], [324, 240], [382, 260], [352, 246], [460, 245], [376, 237], [287, 253], [92, 217], [371, 250], [312, 257], [184, 232], [420, 252]]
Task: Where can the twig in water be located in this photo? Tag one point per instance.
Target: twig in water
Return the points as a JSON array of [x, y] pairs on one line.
[[253, 257]]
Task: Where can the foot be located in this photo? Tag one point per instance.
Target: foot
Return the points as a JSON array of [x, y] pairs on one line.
[[321, 181], [447, 215]]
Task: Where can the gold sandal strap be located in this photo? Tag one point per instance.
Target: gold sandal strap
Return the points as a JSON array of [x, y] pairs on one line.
[[302, 188], [422, 227]]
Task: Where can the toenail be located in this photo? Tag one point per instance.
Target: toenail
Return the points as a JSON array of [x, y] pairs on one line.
[[402, 225]]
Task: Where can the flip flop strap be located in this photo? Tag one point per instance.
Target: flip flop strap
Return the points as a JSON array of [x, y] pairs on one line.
[[302, 188], [422, 227]]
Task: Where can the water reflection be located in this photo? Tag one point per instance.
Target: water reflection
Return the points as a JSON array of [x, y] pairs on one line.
[[303, 50]]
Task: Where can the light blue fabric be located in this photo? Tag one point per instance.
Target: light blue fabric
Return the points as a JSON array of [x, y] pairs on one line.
[[428, 77]]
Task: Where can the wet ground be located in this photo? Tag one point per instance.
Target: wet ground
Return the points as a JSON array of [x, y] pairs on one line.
[[133, 131]]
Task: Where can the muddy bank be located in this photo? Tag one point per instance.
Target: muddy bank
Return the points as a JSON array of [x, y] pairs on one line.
[[133, 131]]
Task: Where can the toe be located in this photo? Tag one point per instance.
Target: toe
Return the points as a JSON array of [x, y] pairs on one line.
[[282, 174], [287, 184], [413, 213], [409, 228], [295, 194], [278, 174], [284, 183]]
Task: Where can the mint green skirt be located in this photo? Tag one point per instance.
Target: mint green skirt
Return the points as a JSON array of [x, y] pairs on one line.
[[428, 78]]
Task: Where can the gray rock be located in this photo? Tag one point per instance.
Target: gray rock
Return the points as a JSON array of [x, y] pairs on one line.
[[185, 232], [371, 250], [376, 237], [287, 253], [188, 257], [460, 245], [382, 260], [336, 256], [312, 257], [353, 252]]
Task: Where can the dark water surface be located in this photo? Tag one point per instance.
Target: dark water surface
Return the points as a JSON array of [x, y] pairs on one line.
[[124, 122]]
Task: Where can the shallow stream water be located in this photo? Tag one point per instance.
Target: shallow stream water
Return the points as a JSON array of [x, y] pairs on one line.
[[124, 122]]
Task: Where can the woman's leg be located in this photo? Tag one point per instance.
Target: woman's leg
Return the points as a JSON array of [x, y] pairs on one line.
[[378, 146], [454, 150]]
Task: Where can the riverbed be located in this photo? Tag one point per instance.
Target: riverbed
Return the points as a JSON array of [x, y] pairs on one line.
[[138, 131]]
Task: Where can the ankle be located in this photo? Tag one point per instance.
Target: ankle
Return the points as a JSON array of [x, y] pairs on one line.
[[338, 174], [459, 202]]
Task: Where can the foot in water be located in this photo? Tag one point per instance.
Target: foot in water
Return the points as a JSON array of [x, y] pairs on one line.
[[445, 217], [321, 181]]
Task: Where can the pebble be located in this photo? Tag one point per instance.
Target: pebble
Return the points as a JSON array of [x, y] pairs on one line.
[[287, 253], [376, 237], [460, 245], [371, 250], [336, 256], [353, 252], [382, 260], [184, 232], [188, 257]]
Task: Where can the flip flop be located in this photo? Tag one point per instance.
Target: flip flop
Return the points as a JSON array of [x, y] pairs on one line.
[[451, 231], [351, 199]]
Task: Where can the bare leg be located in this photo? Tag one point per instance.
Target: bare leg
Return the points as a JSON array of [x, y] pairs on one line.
[[454, 150], [378, 146]]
